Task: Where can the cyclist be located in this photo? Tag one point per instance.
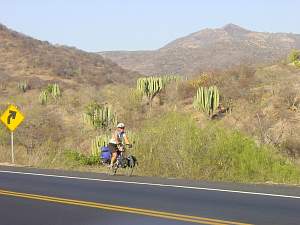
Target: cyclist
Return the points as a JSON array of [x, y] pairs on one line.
[[116, 141]]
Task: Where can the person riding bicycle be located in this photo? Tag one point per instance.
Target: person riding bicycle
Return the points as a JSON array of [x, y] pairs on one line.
[[118, 137]]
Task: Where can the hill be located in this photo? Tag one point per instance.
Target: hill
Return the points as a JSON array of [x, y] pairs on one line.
[[23, 57], [208, 49], [253, 138], [257, 140]]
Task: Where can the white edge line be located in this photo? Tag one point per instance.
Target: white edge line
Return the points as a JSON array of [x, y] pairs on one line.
[[151, 184]]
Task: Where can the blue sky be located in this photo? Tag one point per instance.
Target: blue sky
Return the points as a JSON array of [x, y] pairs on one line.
[[141, 24]]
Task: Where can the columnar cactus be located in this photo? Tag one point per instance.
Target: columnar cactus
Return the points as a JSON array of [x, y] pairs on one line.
[[52, 90], [207, 100], [44, 96], [151, 86], [100, 116], [23, 86], [55, 92], [98, 142]]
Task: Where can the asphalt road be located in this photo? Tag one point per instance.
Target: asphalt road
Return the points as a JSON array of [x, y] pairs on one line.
[[49, 197]]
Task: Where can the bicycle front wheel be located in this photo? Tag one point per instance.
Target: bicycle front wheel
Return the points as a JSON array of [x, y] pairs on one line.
[[129, 171], [111, 171]]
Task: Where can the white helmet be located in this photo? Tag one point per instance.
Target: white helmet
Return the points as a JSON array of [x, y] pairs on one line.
[[120, 125]]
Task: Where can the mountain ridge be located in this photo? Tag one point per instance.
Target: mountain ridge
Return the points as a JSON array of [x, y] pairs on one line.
[[26, 57], [230, 45]]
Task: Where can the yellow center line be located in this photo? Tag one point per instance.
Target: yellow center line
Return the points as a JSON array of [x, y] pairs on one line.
[[153, 213]]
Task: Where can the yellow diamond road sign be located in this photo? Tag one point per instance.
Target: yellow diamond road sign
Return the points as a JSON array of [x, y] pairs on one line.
[[12, 117]]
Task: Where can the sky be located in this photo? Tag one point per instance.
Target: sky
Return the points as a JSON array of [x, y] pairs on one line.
[[103, 25]]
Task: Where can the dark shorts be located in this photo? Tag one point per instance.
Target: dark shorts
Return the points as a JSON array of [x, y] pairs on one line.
[[113, 147]]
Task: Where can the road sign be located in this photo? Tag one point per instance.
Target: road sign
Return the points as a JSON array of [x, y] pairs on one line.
[[12, 117]]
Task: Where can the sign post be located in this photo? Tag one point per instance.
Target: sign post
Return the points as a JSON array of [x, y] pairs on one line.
[[12, 118], [12, 148]]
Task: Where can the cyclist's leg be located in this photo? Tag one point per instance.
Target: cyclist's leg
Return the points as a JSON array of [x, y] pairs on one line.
[[113, 149]]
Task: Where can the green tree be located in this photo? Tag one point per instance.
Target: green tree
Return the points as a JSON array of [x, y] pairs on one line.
[[294, 57]]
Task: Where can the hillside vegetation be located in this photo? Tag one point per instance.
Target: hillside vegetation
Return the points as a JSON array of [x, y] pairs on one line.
[[173, 149], [22, 57], [256, 142], [250, 135]]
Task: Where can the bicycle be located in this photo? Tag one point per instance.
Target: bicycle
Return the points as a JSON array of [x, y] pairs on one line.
[[128, 163]]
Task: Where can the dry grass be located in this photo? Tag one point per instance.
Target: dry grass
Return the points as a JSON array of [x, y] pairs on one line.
[[260, 111]]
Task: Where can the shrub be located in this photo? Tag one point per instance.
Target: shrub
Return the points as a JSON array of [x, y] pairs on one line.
[[235, 157], [202, 80], [186, 90], [82, 159], [39, 127], [291, 146], [174, 146], [4, 136], [294, 56]]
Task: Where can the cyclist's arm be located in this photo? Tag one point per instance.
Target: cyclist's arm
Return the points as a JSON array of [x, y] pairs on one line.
[[126, 140]]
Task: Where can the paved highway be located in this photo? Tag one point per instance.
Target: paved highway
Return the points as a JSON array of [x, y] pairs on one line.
[[51, 197]]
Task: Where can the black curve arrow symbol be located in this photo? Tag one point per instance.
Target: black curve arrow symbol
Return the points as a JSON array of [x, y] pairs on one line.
[[12, 115]]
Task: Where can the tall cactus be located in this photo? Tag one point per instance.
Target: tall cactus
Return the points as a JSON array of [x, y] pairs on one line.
[[23, 86], [43, 98], [151, 86], [52, 90], [207, 100], [100, 116], [98, 142], [55, 91]]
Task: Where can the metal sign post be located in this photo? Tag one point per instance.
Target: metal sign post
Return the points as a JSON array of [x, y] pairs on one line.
[[12, 148], [12, 118]]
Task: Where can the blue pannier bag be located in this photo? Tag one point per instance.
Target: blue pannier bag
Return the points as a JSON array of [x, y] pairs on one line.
[[105, 154]]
